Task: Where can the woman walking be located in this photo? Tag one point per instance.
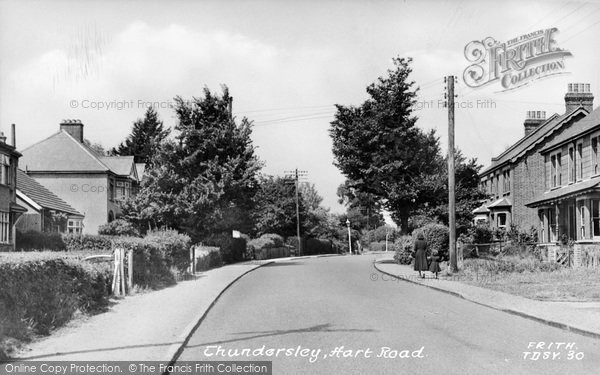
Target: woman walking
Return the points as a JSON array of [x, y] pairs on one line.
[[420, 249]]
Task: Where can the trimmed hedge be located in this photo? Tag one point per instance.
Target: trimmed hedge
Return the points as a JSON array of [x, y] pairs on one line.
[[43, 291], [33, 240], [79, 242], [403, 248], [314, 246]]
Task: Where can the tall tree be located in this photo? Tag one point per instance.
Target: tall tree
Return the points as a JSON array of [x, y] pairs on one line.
[[144, 137], [378, 147], [275, 207], [203, 179]]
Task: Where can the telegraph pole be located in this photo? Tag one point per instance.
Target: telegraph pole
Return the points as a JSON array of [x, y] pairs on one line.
[[296, 174], [451, 183]]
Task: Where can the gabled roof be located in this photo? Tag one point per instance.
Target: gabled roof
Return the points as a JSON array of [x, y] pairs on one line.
[[40, 195], [502, 202], [62, 153], [141, 170], [535, 137], [481, 210], [59, 153], [120, 165], [588, 123], [565, 192]]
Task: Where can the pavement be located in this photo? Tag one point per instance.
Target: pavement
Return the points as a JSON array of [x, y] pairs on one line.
[[579, 317], [151, 326]]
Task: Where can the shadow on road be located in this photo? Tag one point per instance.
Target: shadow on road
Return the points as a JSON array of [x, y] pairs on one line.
[[278, 264], [260, 334]]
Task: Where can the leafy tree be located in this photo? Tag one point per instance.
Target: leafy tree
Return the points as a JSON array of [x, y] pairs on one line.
[[275, 207], [144, 137], [380, 150], [364, 209], [203, 180], [96, 147]]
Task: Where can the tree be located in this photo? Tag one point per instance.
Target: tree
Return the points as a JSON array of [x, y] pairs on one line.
[[380, 150], [203, 180], [144, 137], [275, 207], [363, 209], [96, 147]]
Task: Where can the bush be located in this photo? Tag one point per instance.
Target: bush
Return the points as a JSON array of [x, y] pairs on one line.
[[43, 292], [118, 227], [403, 248], [509, 264], [379, 234], [33, 240], [151, 266], [208, 257], [437, 237], [175, 246], [87, 242]]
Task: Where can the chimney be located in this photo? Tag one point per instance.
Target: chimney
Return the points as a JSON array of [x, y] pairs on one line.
[[74, 128], [579, 95], [2, 137], [533, 120], [14, 136]]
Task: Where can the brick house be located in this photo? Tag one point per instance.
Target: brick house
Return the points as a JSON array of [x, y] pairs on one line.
[[518, 176], [10, 211], [46, 212], [91, 183]]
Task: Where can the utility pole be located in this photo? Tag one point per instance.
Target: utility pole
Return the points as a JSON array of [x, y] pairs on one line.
[[296, 174], [451, 183]]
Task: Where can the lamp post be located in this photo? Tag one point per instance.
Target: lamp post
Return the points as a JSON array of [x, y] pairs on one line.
[[386, 240], [349, 238]]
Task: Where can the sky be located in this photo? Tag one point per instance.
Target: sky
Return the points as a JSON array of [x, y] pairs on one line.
[[286, 65]]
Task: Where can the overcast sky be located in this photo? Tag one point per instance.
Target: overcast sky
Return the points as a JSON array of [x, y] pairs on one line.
[[286, 64]]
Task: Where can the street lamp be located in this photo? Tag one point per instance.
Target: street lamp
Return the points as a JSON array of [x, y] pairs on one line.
[[387, 234], [349, 238]]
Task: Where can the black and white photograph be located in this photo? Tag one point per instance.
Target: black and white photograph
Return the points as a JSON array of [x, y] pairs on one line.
[[299, 187]]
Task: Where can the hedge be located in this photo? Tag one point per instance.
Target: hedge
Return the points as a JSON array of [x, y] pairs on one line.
[[119, 227], [403, 248], [208, 257], [34, 240], [437, 237], [314, 246], [42, 291]]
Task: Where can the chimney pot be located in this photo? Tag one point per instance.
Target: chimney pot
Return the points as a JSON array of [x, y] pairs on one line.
[[74, 128], [579, 95], [533, 120]]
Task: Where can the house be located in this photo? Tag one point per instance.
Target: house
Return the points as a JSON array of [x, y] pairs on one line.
[[569, 206], [46, 212], [9, 209], [519, 175], [91, 183]]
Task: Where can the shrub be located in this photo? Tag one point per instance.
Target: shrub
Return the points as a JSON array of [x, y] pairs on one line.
[[208, 257], [437, 237], [87, 242], [403, 248], [43, 292], [118, 227], [266, 241], [33, 240], [376, 246], [509, 264], [174, 245], [152, 268]]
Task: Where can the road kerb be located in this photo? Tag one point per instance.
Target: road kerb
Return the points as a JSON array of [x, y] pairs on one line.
[[548, 322], [174, 351]]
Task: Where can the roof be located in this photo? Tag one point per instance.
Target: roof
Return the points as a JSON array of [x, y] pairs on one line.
[[121, 165], [481, 210], [588, 123], [502, 202], [565, 192], [62, 153], [526, 143], [58, 153], [141, 169], [42, 196]]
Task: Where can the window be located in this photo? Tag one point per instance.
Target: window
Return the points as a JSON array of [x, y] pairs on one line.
[[501, 220], [4, 227], [553, 230], [595, 167], [556, 170], [542, 236], [74, 226], [506, 182], [123, 190], [581, 209], [580, 161], [497, 185], [572, 164], [111, 190], [5, 177], [596, 217]]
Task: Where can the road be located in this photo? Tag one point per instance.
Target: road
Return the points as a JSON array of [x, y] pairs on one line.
[[322, 304]]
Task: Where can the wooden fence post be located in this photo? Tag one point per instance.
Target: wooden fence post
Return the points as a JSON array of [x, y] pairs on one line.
[[129, 271]]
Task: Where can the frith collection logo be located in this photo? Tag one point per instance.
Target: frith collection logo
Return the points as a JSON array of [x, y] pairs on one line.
[[515, 63]]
